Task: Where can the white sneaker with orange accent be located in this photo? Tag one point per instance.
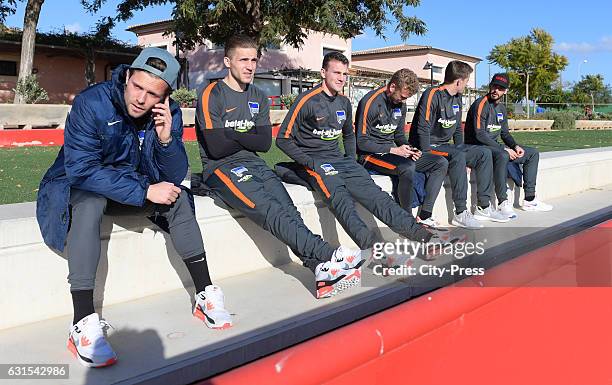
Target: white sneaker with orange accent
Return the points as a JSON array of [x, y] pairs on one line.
[[348, 259], [210, 308], [87, 343], [332, 279]]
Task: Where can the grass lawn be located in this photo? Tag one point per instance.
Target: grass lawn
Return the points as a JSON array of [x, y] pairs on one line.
[[22, 168]]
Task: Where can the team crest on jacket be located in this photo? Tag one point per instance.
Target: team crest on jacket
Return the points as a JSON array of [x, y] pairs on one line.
[[254, 108], [340, 116], [500, 116], [397, 113], [455, 108]]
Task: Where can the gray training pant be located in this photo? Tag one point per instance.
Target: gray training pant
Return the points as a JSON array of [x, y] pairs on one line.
[[252, 188], [83, 242], [529, 161], [476, 157], [342, 181]]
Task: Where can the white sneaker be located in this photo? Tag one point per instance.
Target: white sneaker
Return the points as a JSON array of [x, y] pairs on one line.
[[348, 259], [489, 214], [429, 222], [466, 220], [210, 308], [87, 343], [505, 208], [536, 205], [332, 279]]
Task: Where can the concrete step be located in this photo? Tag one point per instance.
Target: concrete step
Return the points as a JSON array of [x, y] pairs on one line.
[[159, 342], [138, 259]]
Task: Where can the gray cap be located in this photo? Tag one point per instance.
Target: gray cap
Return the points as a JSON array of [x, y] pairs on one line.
[[169, 75]]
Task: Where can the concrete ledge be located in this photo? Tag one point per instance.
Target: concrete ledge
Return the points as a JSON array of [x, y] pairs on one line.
[[138, 260], [526, 125], [593, 124]]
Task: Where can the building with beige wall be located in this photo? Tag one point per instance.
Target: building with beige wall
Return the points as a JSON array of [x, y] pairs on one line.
[[275, 72]]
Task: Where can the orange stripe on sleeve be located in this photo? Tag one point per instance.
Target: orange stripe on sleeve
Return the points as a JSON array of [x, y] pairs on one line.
[[319, 182], [367, 107], [228, 182], [480, 106], [429, 97], [205, 96], [379, 162], [298, 107]]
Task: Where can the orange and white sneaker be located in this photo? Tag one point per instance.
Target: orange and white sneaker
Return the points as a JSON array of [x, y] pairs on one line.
[[87, 343], [210, 308], [332, 279], [348, 259]]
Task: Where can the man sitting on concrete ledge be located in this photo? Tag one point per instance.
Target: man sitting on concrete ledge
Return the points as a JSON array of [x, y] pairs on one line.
[[486, 120], [232, 124], [436, 120], [123, 154], [309, 135], [382, 145]]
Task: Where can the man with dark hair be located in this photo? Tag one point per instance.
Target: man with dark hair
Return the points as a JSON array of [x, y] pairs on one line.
[[486, 120], [309, 135], [233, 124], [123, 153], [437, 119], [382, 145]]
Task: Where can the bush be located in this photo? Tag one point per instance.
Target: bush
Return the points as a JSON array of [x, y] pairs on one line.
[[184, 97], [30, 90], [288, 100], [564, 120]]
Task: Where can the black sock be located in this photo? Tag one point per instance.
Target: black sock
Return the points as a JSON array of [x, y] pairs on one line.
[[82, 303], [484, 206], [459, 212], [424, 215], [198, 268], [529, 198]]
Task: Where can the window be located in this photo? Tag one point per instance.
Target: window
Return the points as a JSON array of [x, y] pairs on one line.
[[8, 68]]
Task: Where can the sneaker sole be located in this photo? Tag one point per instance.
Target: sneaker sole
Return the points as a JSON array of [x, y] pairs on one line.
[[201, 316], [73, 350], [347, 282]]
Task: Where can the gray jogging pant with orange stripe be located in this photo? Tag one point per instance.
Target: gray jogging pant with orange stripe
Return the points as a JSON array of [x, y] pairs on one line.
[[475, 157], [342, 181], [252, 188], [404, 168]]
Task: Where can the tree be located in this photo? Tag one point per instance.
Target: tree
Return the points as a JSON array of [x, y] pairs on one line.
[[591, 89], [30, 21], [271, 21], [531, 64], [7, 8]]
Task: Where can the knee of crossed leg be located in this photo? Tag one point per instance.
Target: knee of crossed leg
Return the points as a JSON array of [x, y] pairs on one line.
[[406, 169]]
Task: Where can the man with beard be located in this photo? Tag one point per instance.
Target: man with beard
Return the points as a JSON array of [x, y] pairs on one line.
[[487, 120]]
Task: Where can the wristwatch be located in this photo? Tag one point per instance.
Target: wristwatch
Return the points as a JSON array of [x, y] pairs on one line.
[[164, 144]]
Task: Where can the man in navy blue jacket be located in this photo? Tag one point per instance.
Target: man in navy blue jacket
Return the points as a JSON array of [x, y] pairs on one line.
[[123, 153]]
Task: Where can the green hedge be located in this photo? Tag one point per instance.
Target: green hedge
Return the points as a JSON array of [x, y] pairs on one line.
[[564, 120]]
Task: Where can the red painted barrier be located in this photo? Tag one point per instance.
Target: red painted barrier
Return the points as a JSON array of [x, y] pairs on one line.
[[55, 137], [464, 335]]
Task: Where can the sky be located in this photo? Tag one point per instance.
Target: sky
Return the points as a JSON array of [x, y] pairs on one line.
[[582, 30]]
